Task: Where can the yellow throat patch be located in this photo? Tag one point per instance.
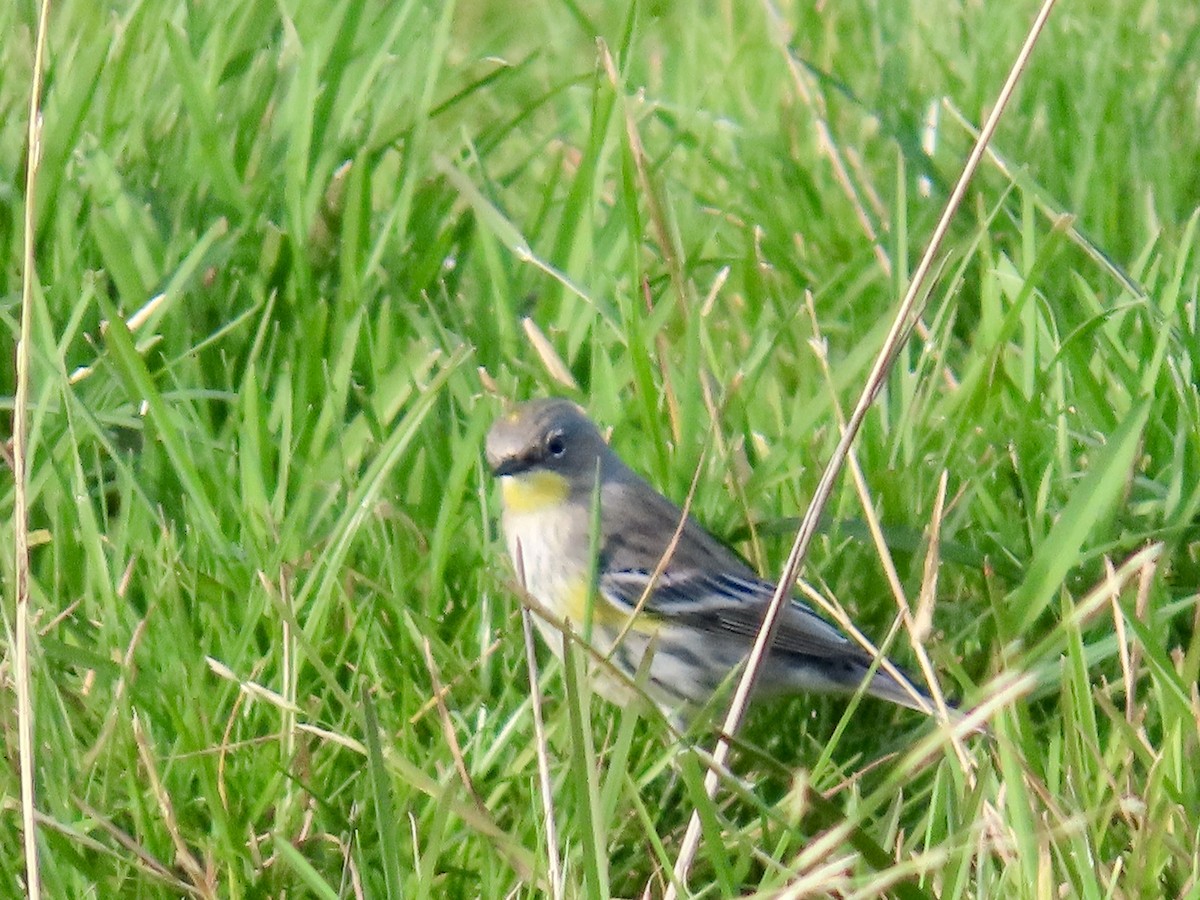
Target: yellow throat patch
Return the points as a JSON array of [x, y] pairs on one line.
[[532, 492]]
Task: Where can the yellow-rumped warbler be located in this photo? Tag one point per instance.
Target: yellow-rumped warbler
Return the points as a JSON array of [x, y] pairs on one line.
[[703, 610]]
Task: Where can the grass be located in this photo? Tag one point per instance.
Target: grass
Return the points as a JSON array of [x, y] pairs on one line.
[[277, 647]]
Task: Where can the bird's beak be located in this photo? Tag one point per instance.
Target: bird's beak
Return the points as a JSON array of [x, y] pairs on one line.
[[510, 465]]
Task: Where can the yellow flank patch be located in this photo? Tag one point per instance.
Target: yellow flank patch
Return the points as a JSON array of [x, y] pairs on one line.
[[604, 614], [532, 492]]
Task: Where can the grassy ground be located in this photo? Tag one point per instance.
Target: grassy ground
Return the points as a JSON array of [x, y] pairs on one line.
[[277, 645]]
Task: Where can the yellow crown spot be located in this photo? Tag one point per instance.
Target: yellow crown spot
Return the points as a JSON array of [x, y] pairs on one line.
[[532, 492]]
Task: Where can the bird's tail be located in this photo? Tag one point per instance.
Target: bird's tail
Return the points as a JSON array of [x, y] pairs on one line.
[[902, 691], [908, 694]]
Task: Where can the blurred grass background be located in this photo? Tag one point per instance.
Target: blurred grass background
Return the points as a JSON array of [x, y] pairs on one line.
[[285, 253]]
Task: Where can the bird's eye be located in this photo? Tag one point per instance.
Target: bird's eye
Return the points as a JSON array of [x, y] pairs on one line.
[[555, 445]]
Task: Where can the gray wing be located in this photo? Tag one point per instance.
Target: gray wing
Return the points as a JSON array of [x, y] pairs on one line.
[[725, 604], [705, 585]]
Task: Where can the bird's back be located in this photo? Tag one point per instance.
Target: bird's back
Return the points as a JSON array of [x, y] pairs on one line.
[[638, 542]]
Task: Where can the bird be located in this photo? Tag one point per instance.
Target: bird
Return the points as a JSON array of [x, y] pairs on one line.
[[672, 609]]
